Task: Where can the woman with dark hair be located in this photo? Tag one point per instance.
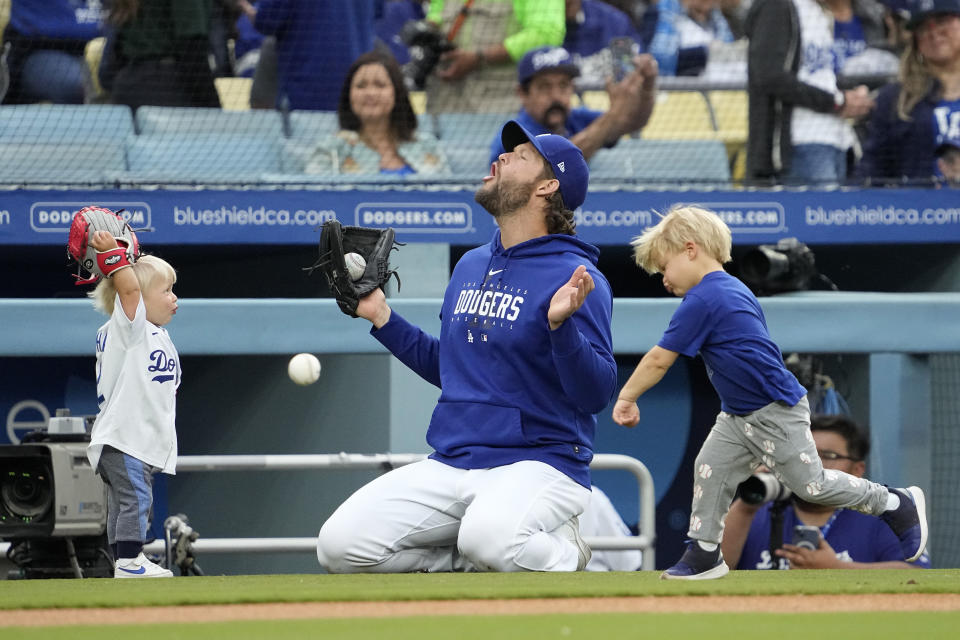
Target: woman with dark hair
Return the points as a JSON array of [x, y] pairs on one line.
[[919, 112], [378, 128]]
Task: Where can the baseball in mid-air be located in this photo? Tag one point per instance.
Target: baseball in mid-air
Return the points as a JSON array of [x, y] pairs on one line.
[[304, 368], [355, 265]]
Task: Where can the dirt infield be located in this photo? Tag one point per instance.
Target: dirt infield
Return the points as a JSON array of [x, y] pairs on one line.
[[650, 604]]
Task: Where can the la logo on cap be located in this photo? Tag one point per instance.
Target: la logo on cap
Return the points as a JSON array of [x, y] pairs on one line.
[[561, 167]]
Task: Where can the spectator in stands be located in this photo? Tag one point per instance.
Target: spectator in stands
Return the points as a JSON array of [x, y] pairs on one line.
[[948, 162], [397, 13], [43, 50], [545, 77], [915, 114], [493, 35], [161, 53], [860, 41], [798, 129], [315, 42], [685, 32], [256, 58], [378, 129], [849, 539], [591, 27]]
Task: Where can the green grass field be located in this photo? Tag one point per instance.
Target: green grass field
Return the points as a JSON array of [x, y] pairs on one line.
[[327, 588]]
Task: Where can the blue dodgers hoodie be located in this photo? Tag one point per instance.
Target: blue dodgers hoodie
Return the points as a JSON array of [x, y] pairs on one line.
[[512, 389]]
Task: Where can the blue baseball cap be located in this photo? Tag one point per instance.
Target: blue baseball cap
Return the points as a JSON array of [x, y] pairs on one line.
[[545, 59], [923, 9], [565, 159]]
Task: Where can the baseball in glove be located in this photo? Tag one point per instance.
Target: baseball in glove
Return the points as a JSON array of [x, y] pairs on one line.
[[92, 264], [373, 244]]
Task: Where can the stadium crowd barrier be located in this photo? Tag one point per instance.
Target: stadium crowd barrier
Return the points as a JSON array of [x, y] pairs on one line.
[[645, 540]]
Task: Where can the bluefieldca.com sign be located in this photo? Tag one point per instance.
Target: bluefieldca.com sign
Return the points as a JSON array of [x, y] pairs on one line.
[[606, 218]]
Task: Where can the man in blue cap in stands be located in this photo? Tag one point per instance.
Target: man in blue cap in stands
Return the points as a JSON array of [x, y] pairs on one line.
[[546, 89]]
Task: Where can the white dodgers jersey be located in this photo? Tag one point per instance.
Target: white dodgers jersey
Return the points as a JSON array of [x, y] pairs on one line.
[[138, 372]]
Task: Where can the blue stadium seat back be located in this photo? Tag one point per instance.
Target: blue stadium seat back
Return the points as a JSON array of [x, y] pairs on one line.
[[295, 153], [199, 120], [316, 125], [202, 157], [64, 122], [469, 162], [611, 164], [313, 125], [473, 129], [60, 163], [427, 123], [701, 162]]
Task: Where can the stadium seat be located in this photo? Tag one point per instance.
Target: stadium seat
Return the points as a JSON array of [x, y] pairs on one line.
[[50, 123], [468, 162], [93, 54], [313, 125], [470, 129], [317, 125], [730, 113], [295, 153], [699, 162], [202, 120], [200, 158], [234, 93], [60, 162], [611, 164], [680, 115]]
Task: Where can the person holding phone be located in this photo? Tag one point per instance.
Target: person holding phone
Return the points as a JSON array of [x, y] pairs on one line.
[[545, 86], [597, 32], [816, 536]]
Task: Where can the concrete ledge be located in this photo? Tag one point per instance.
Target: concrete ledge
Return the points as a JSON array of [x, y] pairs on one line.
[[814, 322]]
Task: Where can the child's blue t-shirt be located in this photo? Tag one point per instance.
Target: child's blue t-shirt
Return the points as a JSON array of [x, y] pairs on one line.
[[722, 320]]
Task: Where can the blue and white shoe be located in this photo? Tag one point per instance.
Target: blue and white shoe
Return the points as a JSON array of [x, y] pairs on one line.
[[697, 564], [909, 522], [139, 567]]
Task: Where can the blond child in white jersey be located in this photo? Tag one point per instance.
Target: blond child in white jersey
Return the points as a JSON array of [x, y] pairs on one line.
[[138, 372]]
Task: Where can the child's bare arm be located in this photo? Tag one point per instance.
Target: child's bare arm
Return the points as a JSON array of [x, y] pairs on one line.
[[653, 366], [124, 280]]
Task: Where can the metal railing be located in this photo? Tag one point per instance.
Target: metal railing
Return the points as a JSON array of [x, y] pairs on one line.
[[644, 541]]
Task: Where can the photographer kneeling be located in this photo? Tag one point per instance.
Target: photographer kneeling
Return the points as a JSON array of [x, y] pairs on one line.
[[847, 539]]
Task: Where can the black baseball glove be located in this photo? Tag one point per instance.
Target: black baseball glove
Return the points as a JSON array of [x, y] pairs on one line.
[[374, 245]]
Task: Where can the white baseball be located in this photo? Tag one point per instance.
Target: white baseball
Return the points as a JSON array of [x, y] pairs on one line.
[[355, 265], [304, 368]]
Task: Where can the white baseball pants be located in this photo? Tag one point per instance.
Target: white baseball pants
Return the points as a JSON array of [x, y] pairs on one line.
[[429, 516]]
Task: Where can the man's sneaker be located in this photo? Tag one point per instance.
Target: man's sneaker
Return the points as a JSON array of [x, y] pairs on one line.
[[140, 567], [697, 564], [571, 531], [909, 522]]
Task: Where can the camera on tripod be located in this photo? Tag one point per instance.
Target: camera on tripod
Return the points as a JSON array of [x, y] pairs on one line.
[[53, 507], [426, 44], [761, 488]]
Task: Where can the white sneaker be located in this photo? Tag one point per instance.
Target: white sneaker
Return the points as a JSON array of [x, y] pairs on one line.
[[140, 567], [571, 531]]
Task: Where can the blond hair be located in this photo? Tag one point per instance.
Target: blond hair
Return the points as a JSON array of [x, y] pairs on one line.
[[147, 269], [682, 224]]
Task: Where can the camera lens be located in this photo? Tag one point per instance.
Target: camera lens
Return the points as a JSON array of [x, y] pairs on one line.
[[25, 492]]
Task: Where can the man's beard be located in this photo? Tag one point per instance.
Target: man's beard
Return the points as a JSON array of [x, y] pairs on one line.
[[502, 199], [555, 118]]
